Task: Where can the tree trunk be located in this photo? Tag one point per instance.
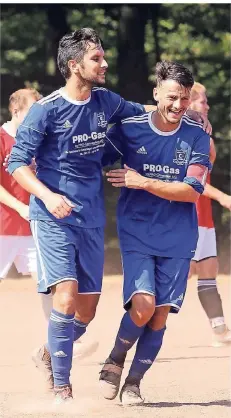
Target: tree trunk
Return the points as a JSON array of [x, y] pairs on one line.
[[132, 63], [155, 13], [58, 27]]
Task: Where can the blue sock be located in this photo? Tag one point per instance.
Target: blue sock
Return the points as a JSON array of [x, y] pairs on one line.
[[60, 341], [148, 347], [79, 329], [127, 335]]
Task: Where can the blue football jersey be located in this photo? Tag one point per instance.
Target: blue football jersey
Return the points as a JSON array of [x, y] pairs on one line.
[[147, 223], [67, 139]]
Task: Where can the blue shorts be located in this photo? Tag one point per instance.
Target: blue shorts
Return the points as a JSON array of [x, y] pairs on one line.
[[165, 278], [67, 252]]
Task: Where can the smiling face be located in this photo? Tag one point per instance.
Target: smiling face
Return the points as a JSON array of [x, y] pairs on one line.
[[173, 100], [92, 68]]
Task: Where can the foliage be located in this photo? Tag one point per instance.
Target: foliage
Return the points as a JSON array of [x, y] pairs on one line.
[[135, 38]]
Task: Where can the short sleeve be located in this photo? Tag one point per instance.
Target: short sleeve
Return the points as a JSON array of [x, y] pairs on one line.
[[200, 150]]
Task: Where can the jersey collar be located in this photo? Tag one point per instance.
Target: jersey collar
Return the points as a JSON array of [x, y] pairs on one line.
[[157, 131], [75, 102]]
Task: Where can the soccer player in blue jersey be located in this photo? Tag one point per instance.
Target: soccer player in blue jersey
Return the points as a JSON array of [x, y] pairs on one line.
[[166, 160], [66, 131]]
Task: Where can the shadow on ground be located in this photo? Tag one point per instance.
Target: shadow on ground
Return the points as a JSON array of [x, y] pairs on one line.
[[224, 402]]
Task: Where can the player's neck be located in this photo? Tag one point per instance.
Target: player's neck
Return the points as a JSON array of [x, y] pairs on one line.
[[76, 90], [11, 127], [162, 124]]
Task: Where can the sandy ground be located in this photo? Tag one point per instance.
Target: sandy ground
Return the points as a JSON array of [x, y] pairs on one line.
[[190, 379]]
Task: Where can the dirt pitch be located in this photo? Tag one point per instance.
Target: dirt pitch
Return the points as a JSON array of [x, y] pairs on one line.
[[190, 379]]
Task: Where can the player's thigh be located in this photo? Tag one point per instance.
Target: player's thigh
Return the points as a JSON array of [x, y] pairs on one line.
[[171, 275], [90, 261], [206, 246], [25, 261], [56, 245], [9, 247], [138, 271], [89, 264], [200, 243], [207, 268]]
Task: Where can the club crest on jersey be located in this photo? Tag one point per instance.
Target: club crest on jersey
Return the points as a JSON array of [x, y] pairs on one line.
[[101, 120], [181, 157], [181, 153]]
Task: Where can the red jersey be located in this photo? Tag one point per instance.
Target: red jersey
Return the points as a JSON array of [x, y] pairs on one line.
[[204, 210], [11, 223]]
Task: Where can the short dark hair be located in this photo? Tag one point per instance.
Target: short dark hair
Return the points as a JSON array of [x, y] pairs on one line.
[[73, 46], [168, 70]]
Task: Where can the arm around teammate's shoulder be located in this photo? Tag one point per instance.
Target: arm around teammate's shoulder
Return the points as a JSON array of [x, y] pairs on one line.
[[121, 108]]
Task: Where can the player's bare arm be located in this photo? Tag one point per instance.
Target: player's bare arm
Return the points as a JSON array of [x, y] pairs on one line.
[[216, 194], [56, 204], [7, 199], [179, 192], [211, 191]]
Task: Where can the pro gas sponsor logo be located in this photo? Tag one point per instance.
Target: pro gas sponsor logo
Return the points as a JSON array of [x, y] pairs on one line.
[[158, 168], [85, 137]]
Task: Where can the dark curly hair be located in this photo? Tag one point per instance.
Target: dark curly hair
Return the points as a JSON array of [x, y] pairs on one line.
[[73, 47], [168, 70]]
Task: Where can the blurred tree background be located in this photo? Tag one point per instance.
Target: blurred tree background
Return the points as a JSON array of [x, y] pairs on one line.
[[135, 38]]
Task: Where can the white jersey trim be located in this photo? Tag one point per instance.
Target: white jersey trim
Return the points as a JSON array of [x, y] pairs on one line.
[[51, 99], [157, 131], [34, 230], [116, 109], [114, 146], [136, 119], [33, 129], [99, 88], [147, 292], [75, 102], [189, 120], [44, 99]]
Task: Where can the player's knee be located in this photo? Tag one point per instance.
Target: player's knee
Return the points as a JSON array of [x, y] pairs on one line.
[[159, 318], [64, 297], [66, 303], [143, 308], [86, 307], [86, 316]]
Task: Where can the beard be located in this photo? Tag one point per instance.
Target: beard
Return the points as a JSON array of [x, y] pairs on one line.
[[90, 81]]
